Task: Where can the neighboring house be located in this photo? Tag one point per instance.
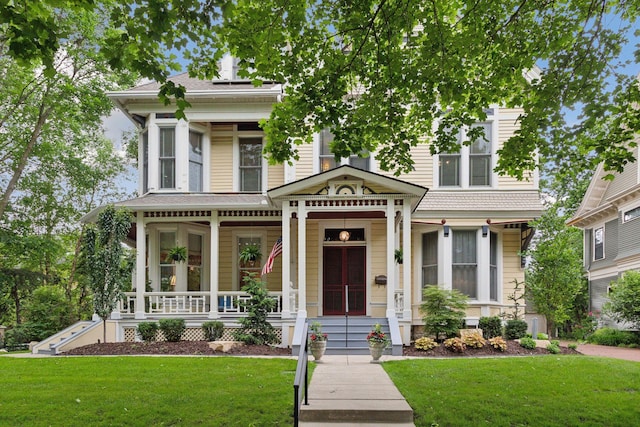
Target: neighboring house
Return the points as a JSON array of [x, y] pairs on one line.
[[204, 185], [610, 217]]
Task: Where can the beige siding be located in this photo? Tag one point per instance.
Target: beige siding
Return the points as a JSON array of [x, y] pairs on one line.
[[378, 245], [221, 163], [225, 267], [506, 129], [304, 166], [273, 279], [423, 172], [511, 270], [276, 175]]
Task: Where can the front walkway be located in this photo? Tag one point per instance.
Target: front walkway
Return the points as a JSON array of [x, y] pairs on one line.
[[632, 354], [351, 391]]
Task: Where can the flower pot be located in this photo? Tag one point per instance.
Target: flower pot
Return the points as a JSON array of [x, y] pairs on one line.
[[317, 349], [376, 349]]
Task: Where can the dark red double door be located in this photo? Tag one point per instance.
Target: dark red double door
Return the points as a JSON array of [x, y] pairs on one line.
[[344, 280]]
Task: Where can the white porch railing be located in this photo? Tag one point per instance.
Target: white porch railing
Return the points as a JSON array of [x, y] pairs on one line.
[[229, 302]]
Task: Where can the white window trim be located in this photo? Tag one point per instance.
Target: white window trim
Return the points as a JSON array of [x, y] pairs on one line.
[[373, 164], [492, 120], [593, 243], [237, 135], [627, 208], [235, 235]]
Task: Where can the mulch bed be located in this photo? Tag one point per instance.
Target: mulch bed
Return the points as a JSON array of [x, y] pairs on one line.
[[173, 349], [202, 348], [513, 349]]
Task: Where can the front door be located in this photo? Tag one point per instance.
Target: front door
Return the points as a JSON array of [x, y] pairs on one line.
[[344, 268]]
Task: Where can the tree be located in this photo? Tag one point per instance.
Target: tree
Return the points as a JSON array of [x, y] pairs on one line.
[[105, 261], [442, 310], [386, 75], [255, 328], [554, 278], [624, 299]]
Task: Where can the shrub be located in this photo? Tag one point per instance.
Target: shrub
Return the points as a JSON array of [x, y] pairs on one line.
[[498, 343], [612, 337], [555, 342], [172, 329], [542, 336], [475, 340], [147, 331], [213, 330], [624, 298], [19, 334], [491, 326], [442, 310], [255, 328], [425, 343], [527, 343], [455, 344], [553, 349], [573, 346], [515, 329]]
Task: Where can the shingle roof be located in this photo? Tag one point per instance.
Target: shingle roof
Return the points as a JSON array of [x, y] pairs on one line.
[[194, 84], [471, 203], [196, 201]]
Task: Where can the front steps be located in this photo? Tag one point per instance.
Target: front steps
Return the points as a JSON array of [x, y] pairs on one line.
[[349, 335]]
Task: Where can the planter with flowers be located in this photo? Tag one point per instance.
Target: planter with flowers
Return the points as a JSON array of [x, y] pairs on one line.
[[317, 341], [378, 341]]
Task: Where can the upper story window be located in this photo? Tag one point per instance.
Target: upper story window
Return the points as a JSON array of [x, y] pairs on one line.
[[328, 160], [598, 243], [195, 161], [167, 157], [470, 166], [480, 158], [250, 164], [145, 161], [631, 214]]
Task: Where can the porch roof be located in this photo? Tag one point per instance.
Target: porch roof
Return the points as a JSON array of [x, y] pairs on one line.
[[189, 201], [474, 203]]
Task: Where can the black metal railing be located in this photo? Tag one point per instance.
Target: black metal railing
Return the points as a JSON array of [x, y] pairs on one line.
[[302, 376]]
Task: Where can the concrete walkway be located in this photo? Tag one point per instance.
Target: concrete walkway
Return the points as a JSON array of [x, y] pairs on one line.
[[632, 354], [352, 391]]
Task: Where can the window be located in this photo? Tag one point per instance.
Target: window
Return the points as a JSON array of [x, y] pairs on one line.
[[493, 266], [254, 266], [251, 164], [167, 158], [145, 161], [480, 158], [449, 166], [195, 161], [632, 214], [598, 243], [167, 266], [430, 258], [464, 262], [327, 159], [194, 259]]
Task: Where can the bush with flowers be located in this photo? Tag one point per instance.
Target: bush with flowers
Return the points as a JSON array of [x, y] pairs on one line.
[[316, 332], [377, 336]]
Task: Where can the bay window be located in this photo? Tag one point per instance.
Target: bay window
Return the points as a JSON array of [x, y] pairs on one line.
[[195, 161], [251, 164], [167, 157], [464, 262]]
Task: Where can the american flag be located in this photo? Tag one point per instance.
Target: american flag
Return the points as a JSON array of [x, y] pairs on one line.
[[275, 251]]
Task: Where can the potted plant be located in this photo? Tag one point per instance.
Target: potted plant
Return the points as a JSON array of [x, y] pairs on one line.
[[317, 341], [250, 254], [397, 254], [177, 254], [378, 341]]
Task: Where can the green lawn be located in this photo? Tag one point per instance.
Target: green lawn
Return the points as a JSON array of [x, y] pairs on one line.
[[146, 391], [520, 391]]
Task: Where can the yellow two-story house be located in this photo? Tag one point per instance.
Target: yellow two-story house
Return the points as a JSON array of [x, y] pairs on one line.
[[348, 241]]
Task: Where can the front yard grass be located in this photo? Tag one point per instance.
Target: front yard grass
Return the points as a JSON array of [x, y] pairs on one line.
[[520, 391], [146, 391]]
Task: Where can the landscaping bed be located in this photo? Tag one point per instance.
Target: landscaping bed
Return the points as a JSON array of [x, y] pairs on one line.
[[173, 348], [513, 349]]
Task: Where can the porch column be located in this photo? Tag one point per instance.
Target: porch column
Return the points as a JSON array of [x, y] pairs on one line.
[[406, 255], [141, 260], [213, 262], [286, 260], [302, 259], [391, 276]]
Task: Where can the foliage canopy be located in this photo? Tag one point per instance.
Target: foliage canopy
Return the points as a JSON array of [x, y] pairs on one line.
[[624, 299]]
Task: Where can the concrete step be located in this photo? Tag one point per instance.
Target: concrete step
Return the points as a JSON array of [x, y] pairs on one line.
[[366, 411]]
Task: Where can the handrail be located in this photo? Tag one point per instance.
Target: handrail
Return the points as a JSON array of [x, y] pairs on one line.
[[302, 372]]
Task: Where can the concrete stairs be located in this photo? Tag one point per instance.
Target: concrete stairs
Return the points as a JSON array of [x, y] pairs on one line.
[[349, 335], [50, 345]]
